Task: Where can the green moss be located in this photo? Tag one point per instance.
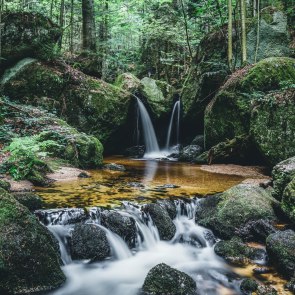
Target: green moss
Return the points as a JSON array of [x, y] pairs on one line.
[[5, 185], [288, 200]]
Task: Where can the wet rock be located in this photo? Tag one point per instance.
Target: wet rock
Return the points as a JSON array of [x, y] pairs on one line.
[[162, 220], [169, 206], [282, 174], [163, 279], [256, 231], [207, 207], [5, 185], [114, 167], [288, 201], [61, 216], [89, 242], [84, 175], [238, 253], [291, 285], [30, 200], [261, 270], [136, 184], [280, 248], [28, 259], [136, 151], [248, 286], [237, 206], [190, 153], [122, 225], [266, 290], [198, 140]]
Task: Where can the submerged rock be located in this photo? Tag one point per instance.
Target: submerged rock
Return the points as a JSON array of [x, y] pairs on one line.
[[114, 167], [190, 153], [280, 248], [89, 242], [235, 208], [28, 258], [162, 220], [163, 279], [122, 225], [282, 174]]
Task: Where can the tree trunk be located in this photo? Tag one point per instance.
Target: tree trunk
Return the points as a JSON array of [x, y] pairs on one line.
[[243, 26], [61, 20], [258, 31], [1, 26], [88, 26], [230, 35], [72, 27], [186, 30]]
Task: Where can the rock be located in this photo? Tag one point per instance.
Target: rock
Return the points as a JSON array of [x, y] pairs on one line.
[[29, 262], [256, 231], [266, 290], [162, 220], [291, 285], [236, 252], [282, 174], [27, 34], [30, 200], [280, 248], [135, 151], [248, 286], [114, 167], [207, 207], [122, 225], [89, 242], [235, 208], [84, 175], [5, 185], [199, 140], [169, 206], [232, 112], [288, 201], [163, 279], [190, 153]]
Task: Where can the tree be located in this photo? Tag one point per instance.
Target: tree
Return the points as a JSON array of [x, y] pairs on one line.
[[88, 26], [230, 35], [243, 29]]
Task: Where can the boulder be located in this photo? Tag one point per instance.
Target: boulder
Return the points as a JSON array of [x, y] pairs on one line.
[[248, 286], [169, 206], [162, 220], [30, 200], [190, 153], [27, 34], [136, 151], [5, 185], [114, 167], [29, 262], [89, 242], [288, 201], [235, 208], [282, 174], [122, 225], [163, 279], [280, 248]]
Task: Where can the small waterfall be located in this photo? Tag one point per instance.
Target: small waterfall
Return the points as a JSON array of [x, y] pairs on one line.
[[150, 139], [175, 112]]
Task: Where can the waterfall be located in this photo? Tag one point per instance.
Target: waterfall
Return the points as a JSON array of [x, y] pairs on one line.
[[150, 139], [176, 108]]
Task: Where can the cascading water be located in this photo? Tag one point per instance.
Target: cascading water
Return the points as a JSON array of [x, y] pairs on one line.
[[191, 251], [175, 112], [150, 139]]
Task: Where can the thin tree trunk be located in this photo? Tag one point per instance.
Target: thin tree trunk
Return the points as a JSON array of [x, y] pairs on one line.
[[258, 31], [1, 25], [186, 30], [72, 27], [51, 9], [230, 35], [243, 25], [61, 20], [88, 26]]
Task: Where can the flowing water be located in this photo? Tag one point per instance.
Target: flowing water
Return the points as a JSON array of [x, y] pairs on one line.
[[175, 112]]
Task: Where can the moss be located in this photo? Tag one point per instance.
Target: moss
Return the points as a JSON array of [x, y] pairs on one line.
[[288, 200], [5, 185], [30, 200]]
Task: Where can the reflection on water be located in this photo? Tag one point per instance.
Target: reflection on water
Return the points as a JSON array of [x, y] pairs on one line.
[[143, 181]]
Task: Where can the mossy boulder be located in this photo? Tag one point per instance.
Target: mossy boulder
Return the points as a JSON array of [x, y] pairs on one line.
[[288, 200], [235, 207], [5, 185], [89, 104], [27, 34], [248, 286], [163, 279], [29, 262], [162, 220], [244, 104], [280, 248], [89, 242], [282, 174], [30, 200]]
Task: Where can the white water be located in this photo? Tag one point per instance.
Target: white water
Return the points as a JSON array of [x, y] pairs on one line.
[[175, 108], [150, 139], [190, 251]]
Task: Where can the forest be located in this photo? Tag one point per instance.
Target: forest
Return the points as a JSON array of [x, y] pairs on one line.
[[147, 147]]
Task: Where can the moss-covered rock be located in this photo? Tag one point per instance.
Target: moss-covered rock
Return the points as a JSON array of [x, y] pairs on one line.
[[280, 248], [27, 34], [30, 200], [248, 286], [282, 174], [237, 206], [28, 259], [163, 279], [5, 185], [288, 200]]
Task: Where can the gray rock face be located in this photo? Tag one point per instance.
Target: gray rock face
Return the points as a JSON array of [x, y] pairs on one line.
[[163, 279], [124, 226], [162, 220], [190, 153], [89, 242], [280, 248]]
